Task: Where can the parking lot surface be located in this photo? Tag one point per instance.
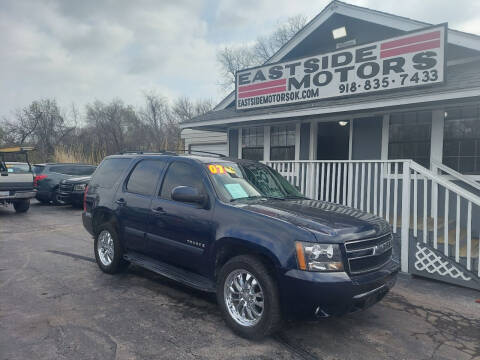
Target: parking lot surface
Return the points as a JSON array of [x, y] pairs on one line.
[[56, 304]]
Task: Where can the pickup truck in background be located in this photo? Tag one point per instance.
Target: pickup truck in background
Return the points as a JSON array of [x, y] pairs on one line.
[[16, 182]]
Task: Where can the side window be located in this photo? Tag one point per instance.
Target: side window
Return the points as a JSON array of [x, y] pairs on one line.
[[109, 172], [144, 176], [181, 174]]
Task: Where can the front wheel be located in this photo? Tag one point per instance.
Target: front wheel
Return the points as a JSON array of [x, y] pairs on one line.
[[21, 206], [248, 297], [108, 250]]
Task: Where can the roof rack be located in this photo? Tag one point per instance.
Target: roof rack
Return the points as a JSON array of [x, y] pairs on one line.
[[141, 152], [169, 152], [189, 151]]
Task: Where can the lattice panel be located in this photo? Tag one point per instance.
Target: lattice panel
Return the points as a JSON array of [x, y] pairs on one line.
[[427, 260]]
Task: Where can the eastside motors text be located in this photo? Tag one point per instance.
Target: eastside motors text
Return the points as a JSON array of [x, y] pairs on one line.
[[406, 61]]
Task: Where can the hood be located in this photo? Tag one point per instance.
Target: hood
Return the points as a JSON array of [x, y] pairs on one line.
[[77, 180], [328, 222]]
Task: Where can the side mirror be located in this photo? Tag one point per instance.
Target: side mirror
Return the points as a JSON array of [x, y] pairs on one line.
[[188, 194]]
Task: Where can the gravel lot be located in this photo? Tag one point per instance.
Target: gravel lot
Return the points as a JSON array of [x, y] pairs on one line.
[[56, 304]]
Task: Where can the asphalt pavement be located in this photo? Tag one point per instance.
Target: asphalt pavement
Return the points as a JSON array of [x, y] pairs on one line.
[[55, 303]]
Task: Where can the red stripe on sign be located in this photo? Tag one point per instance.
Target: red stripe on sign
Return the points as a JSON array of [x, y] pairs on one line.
[[410, 40], [410, 48], [263, 85], [272, 90]]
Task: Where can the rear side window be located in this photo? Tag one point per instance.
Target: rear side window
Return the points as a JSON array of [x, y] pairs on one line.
[[144, 176], [109, 172], [181, 174]]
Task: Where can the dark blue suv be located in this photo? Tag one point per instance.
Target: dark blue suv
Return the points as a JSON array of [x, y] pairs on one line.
[[239, 229]]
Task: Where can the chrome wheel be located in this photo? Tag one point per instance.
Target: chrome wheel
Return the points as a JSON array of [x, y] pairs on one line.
[[105, 247], [243, 296]]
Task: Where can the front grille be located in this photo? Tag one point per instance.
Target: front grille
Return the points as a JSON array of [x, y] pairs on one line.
[[368, 254], [66, 188]]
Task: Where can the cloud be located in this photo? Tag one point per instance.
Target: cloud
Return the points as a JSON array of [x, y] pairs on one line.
[[82, 50], [79, 51]]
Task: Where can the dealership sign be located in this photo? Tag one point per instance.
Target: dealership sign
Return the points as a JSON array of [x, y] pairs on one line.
[[411, 60]]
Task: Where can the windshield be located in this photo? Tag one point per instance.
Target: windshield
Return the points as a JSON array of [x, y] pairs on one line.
[[229, 182], [269, 182]]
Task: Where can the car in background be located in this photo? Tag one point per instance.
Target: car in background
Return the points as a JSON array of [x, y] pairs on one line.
[[71, 190], [49, 176]]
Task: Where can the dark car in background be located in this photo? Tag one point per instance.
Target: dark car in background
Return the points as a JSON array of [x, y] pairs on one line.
[[71, 190], [49, 176]]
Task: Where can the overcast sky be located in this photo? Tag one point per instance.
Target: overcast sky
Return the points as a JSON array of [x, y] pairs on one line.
[[82, 50]]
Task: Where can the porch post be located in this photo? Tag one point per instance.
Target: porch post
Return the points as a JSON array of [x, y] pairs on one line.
[[297, 141], [240, 143], [313, 140], [266, 143], [436, 153], [405, 232]]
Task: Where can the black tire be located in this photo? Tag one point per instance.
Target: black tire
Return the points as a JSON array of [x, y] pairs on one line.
[[56, 198], [118, 263], [21, 206], [43, 201], [270, 320]]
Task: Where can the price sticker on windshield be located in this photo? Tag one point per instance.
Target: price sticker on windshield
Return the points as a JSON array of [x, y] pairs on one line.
[[220, 169]]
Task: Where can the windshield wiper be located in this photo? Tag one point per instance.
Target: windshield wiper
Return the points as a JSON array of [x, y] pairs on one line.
[[248, 198], [294, 197]]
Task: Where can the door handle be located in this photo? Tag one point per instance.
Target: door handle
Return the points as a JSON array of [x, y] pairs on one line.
[[158, 211], [121, 202]]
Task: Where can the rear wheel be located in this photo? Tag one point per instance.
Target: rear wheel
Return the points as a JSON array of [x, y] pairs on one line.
[[56, 199], [248, 297], [108, 250], [21, 206]]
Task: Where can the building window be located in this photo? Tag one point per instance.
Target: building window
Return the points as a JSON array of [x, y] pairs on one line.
[[282, 142], [252, 143], [461, 139], [409, 136]]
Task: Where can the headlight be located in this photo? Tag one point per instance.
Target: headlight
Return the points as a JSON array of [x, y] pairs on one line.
[[319, 257], [79, 187]]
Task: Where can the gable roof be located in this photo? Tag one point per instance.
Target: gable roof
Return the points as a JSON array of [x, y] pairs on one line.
[[456, 37]]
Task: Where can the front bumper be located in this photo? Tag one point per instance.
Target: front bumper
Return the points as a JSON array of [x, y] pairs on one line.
[[71, 197], [312, 295]]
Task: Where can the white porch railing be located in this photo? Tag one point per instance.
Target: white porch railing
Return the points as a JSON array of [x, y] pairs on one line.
[[437, 168], [400, 191]]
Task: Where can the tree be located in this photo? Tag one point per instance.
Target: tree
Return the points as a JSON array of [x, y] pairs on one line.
[[43, 124], [184, 109], [233, 59], [156, 115], [113, 124]]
